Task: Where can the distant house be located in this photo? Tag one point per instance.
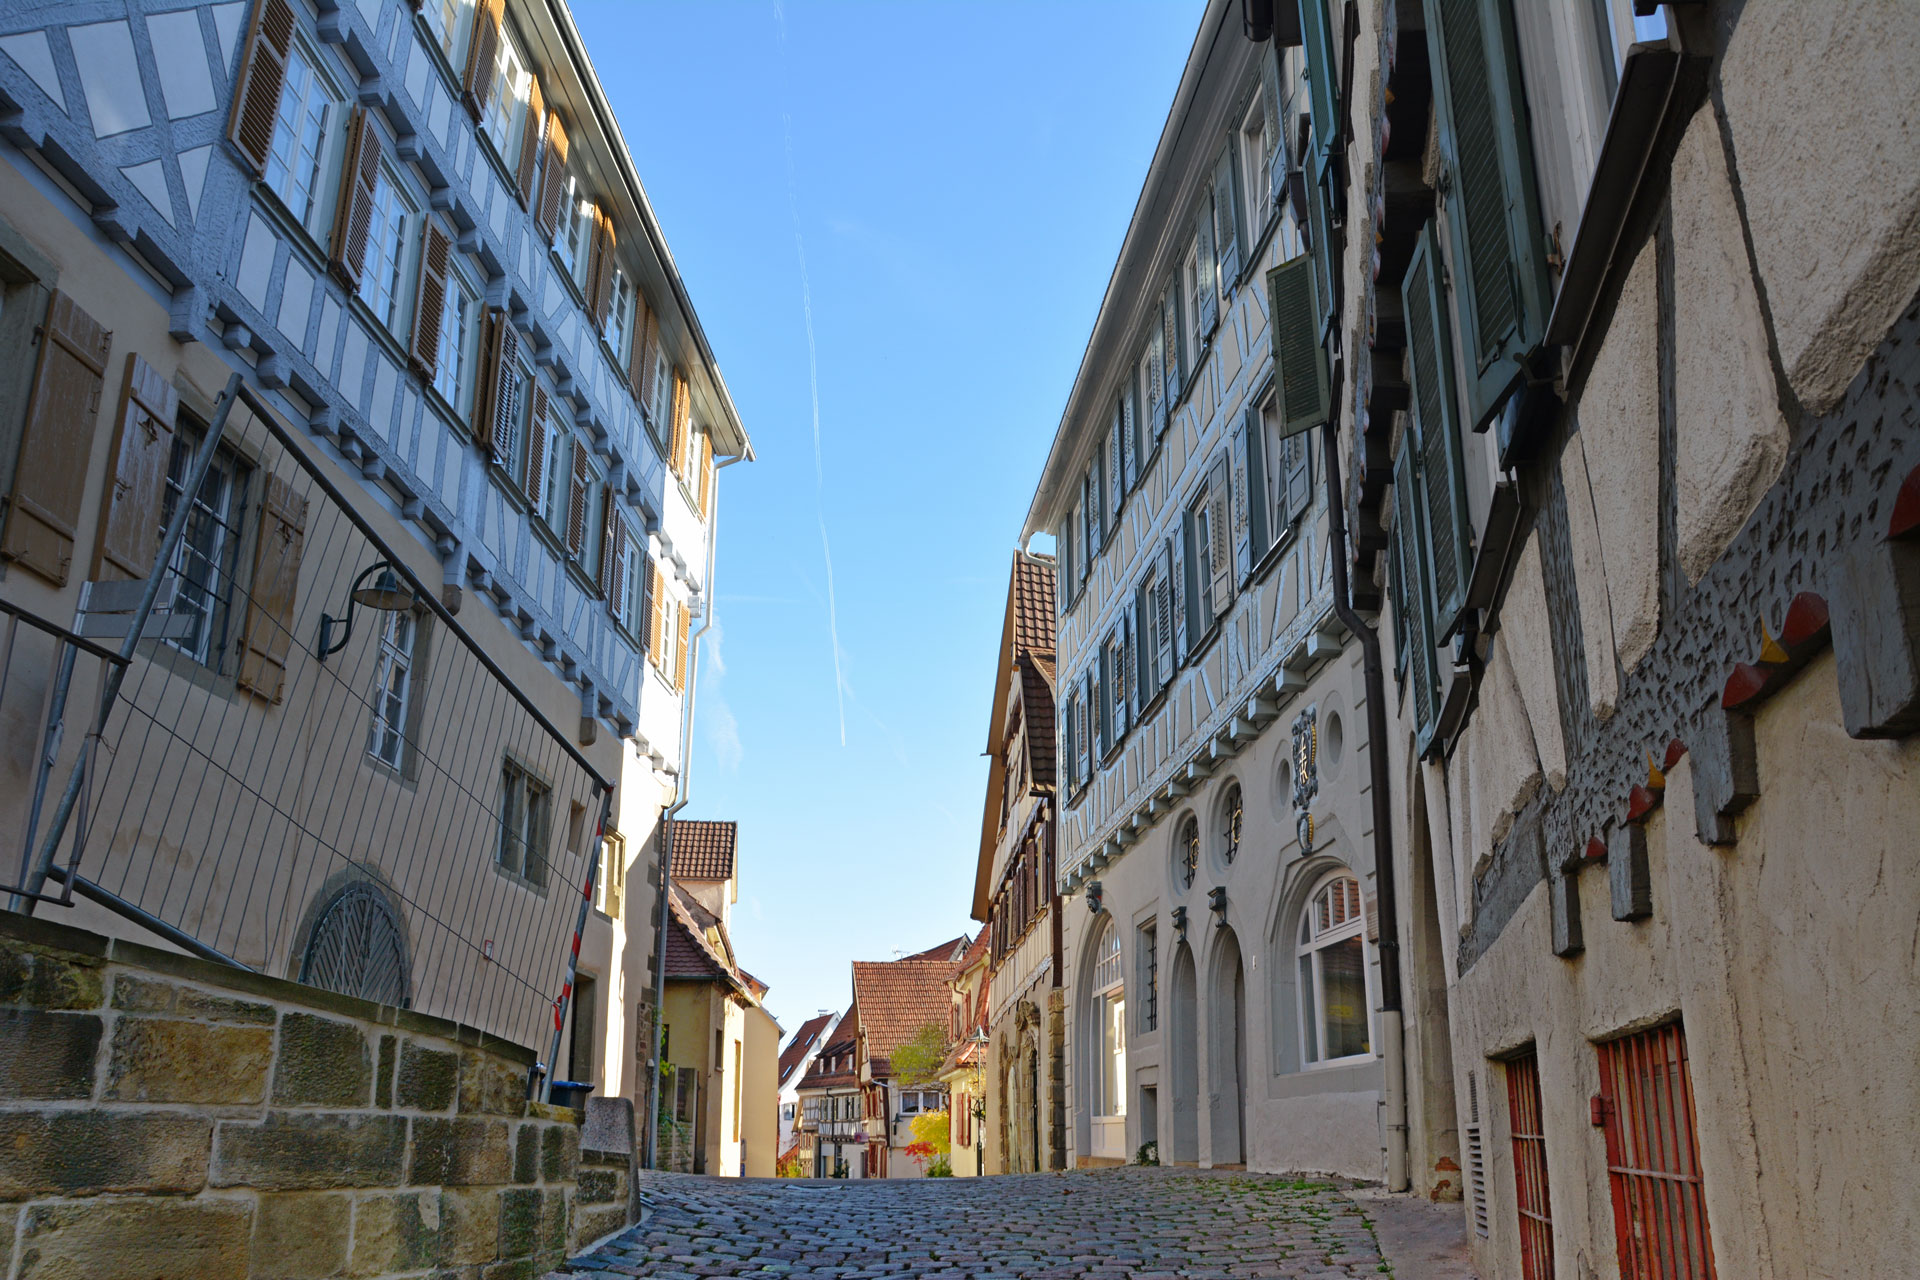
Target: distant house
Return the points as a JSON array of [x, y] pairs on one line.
[[895, 999], [965, 1071], [831, 1126], [801, 1052]]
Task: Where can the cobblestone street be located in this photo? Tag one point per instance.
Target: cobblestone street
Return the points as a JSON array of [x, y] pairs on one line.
[[1121, 1222]]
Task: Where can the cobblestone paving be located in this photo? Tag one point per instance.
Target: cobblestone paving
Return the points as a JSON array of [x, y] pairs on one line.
[[1154, 1224]]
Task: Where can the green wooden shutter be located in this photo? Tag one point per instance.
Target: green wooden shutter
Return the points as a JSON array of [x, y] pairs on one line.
[[1103, 706], [1063, 564], [1323, 83], [1415, 618], [1293, 316], [1206, 271], [1499, 261], [1437, 429], [1170, 341], [1299, 463], [1180, 588], [1259, 490], [1226, 220]]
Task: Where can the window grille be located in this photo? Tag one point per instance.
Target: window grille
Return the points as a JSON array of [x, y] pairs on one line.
[[1526, 1125], [1149, 979], [1476, 1159], [1230, 827], [1653, 1157], [1189, 852]]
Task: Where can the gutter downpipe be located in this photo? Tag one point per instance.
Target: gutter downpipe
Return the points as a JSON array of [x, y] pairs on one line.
[[682, 794], [1392, 1018]]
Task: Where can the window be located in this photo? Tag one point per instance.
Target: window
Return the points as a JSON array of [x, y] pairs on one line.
[[1206, 541], [557, 477], [450, 20], [620, 315], [524, 805], [387, 237], [507, 113], [593, 530], [297, 154], [207, 559], [1149, 978], [513, 427], [573, 244], [909, 1104], [1190, 285], [1119, 683], [1110, 1003], [610, 889], [392, 687], [1524, 1121], [1256, 161], [1186, 852], [1653, 1157], [1230, 817], [1334, 1020], [634, 567], [454, 371]]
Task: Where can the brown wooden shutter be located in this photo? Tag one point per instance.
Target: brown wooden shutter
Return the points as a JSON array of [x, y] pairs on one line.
[[353, 212], [429, 300], [553, 177], [483, 52], [263, 70], [657, 603], [486, 390], [142, 448], [537, 447], [531, 135], [637, 349], [503, 426], [44, 513], [609, 530], [270, 594], [680, 650], [650, 364], [600, 278], [706, 473], [577, 502], [682, 418]]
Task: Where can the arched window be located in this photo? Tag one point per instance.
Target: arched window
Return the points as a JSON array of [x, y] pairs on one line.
[[1230, 814], [358, 948], [1334, 1017], [1186, 851], [1110, 1006]]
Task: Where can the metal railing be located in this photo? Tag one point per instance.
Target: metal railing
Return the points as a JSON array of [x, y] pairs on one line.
[[301, 762]]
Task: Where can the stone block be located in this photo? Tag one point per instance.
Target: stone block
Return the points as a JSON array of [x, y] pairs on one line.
[[469, 1227], [143, 995], [599, 1186], [463, 1151], [491, 1086], [291, 1151], [1726, 771], [526, 1154], [590, 1224], [609, 1125], [519, 1221], [322, 1063], [383, 1074], [395, 1233], [87, 1152], [219, 1008], [47, 1055], [1629, 883], [429, 1078], [39, 980], [168, 1060], [301, 1236], [147, 1239], [515, 1269], [1563, 889], [553, 1221], [559, 1152]]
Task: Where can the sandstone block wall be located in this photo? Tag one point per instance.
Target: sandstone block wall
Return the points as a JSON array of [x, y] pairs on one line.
[[165, 1117]]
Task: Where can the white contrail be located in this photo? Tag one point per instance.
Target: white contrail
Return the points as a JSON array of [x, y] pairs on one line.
[[813, 382]]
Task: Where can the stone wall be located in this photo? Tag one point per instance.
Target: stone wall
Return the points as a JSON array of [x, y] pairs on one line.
[[166, 1117]]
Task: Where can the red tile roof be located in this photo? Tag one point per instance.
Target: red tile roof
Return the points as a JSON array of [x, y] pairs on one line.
[[693, 957], [844, 1041], [896, 998], [704, 850], [1031, 597], [1036, 702], [803, 1040]]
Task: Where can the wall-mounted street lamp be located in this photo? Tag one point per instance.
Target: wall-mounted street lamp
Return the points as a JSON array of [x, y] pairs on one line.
[[387, 594]]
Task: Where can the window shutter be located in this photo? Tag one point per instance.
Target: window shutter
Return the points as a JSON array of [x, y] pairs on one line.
[[486, 386], [1305, 391], [1157, 381], [1083, 553], [577, 502], [1258, 493], [1397, 567], [609, 531], [532, 134], [1323, 86], [1090, 519], [1116, 464], [1487, 182], [430, 299], [353, 212], [142, 448], [553, 177], [1238, 445], [600, 278], [656, 610], [537, 441], [1170, 344], [1208, 269], [637, 354], [706, 474], [503, 405], [1180, 584], [1219, 552], [263, 72], [1276, 132], [483, 53], [1163, 617], [1130, 660], [680, 650], [1130, 433], [1086, 735], [1442, 472], [270, 595], [1416, 617], [44, 513], [1146, 672], [1299, 476], [1103, 730], [1226, 220], [682, 417]]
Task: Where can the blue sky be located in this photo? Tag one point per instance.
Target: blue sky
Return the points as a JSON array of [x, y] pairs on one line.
[[958, 179]]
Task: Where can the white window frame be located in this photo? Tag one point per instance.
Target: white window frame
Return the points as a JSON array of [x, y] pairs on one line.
[[1110, 1001], [573, 238], [635, 585], [669, 634], [389, 249], [308, 145], [454, 371], [593, 518], [1200, 561], [1190, 307], [1255, 148], [451, 22], [619, 335], [1348, 920], [393, 687], [506, 114], [552, 505]]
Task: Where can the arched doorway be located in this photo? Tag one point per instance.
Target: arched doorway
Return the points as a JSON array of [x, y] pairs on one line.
[[1184, 1030], [358, 947], [1105, 1072], [1227, 1053]]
